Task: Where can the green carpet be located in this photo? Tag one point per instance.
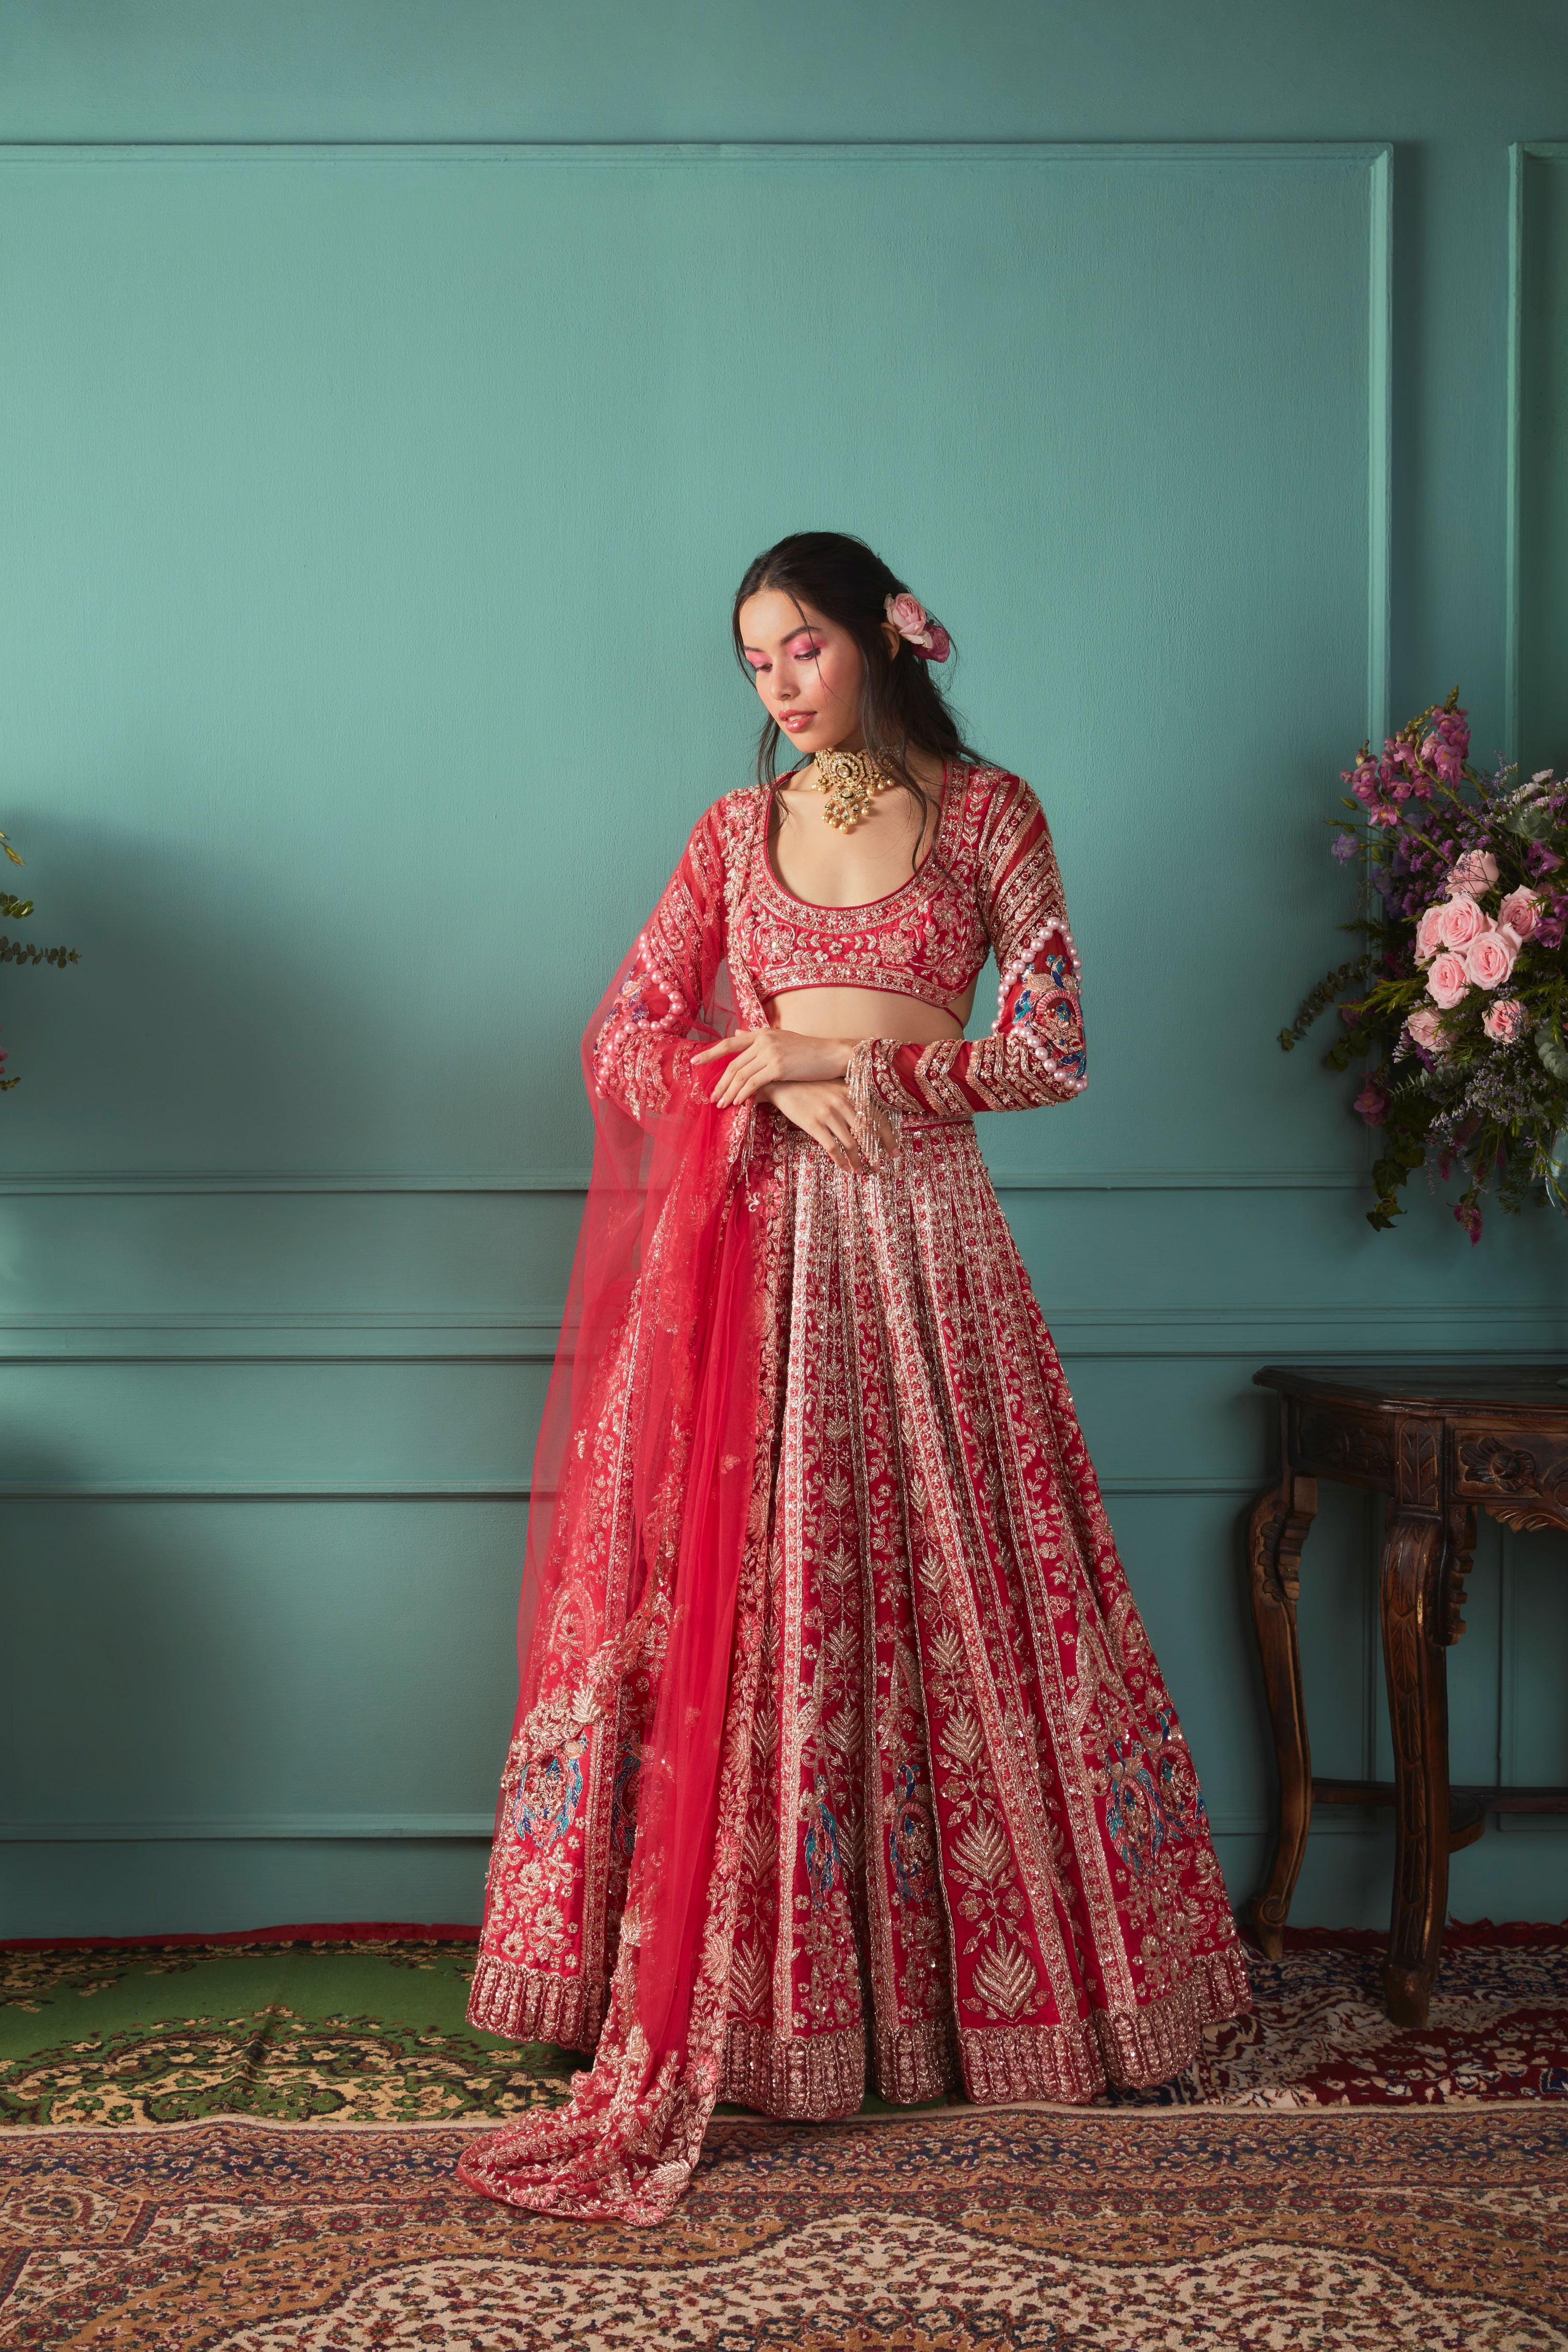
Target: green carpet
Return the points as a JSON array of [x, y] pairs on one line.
[[370, 2032]]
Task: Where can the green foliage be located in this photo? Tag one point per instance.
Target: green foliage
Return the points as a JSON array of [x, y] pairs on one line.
[[1318, 1000]]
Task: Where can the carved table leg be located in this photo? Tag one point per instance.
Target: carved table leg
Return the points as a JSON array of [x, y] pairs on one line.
[[1280, 1520], [1414, 1633]]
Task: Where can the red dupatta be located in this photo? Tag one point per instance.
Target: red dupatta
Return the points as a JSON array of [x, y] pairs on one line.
[[667, 1241]]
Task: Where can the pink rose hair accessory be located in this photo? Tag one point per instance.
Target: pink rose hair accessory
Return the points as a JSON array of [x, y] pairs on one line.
[[929, 639]]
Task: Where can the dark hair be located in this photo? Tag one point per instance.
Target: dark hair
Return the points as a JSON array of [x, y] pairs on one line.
[[902, 709]]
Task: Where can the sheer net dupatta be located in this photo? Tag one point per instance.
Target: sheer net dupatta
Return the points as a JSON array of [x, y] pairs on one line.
[[642, 1502]]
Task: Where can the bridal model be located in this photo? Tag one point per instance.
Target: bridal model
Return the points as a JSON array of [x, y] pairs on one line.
[[842, 1760]]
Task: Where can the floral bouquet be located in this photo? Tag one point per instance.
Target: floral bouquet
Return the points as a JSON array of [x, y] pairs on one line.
[[1461, 992]]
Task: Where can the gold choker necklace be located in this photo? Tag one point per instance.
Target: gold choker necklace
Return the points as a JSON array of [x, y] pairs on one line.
[[849, 782]]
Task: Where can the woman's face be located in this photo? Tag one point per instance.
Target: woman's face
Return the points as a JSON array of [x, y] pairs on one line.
[[807, 670]]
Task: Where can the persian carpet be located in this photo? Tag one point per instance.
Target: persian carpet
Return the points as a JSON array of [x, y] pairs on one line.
[[312, 2024], [306, 2025], [1125, 2230]]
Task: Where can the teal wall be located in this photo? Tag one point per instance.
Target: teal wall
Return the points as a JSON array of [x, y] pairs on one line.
[[389, 397]]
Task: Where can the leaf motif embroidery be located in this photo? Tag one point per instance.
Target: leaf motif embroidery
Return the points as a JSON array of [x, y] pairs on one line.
[[983, 1851], [1005, 1977]]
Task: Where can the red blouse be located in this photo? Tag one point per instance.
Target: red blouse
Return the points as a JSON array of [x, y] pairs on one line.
[[990, 885]]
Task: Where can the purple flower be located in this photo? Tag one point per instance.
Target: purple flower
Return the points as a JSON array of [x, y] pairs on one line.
[[1344, 846], [1539, 859], [1469, 1215]]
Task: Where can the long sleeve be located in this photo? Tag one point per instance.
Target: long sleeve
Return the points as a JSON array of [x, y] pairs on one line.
[[642, 1056], [1034, 1052]]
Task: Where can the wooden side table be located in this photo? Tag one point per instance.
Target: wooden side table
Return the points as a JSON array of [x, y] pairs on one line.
[[1439, 1441]]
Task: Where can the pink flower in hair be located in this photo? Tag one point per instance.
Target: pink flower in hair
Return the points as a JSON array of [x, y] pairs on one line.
[[913, 624]]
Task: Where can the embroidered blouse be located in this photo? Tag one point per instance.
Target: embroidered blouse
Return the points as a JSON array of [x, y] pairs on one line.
[[990, 885]]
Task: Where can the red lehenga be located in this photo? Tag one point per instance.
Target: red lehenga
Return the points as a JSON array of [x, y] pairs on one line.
[[841, 1753]]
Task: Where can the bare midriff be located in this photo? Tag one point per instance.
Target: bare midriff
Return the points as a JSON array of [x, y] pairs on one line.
[[866, 1013]]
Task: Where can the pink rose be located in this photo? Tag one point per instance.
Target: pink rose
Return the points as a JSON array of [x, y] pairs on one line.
[[914, 624], [1460, 920], [1520, 912], [1424, 1029], [1490, 959], [1429, 939], [1506, 1021], [1447, 982], [1476, 872]]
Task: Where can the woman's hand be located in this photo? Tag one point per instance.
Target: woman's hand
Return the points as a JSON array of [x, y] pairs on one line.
[[765, 1057], [820, 1108]]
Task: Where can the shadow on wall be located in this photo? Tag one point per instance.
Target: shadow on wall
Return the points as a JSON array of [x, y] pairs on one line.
[[140, 1666], [195, 1033]]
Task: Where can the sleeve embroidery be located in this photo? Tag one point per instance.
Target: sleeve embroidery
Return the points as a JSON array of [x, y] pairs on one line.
[[642, 1056], [1035, 1053]]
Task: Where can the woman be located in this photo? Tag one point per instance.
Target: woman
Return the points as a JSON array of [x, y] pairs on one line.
[[841, 1754]]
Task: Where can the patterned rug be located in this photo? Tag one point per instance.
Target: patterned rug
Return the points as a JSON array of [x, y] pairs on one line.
[[1131, 2230], [343, 2029], [332, 2028]]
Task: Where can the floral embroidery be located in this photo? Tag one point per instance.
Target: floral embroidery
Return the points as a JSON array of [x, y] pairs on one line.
[[1134, 1818], [1180, 1795], [624, 1799], [1154, 1799], [631, 998], [549, 1795], [1053, 1014], [911, 1842], [822, 1860]]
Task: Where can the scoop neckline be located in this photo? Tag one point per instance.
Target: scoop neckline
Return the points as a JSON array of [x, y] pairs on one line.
[[855, 906]]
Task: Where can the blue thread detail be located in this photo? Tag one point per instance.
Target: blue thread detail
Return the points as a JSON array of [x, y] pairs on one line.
[[822, 1860], [549, 1794], [911, 1842], [1154, 1801], [1134, 1817]]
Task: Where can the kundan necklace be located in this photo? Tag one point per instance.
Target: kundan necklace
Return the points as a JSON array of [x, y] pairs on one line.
[[849, 781]]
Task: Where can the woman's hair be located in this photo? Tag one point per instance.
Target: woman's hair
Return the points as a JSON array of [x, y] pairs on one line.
[[902, 709]]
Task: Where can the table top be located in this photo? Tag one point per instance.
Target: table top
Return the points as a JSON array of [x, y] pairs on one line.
[[1431, 1388]]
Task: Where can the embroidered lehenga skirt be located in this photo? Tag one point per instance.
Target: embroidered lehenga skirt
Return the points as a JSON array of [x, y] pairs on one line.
[[962, 1845]]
